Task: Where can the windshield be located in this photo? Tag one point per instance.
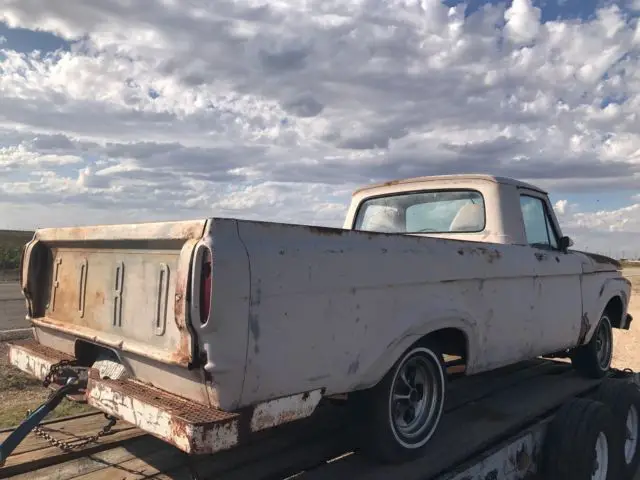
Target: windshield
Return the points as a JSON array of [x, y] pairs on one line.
[[443, 211]]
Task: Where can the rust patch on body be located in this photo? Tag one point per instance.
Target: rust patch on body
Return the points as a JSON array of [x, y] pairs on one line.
[[284, 410], [183, 353], [180, 230], [189, 426], [326, 231], [490, 254]]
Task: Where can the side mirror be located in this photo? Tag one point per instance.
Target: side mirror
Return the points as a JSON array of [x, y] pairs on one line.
[[565, 243]]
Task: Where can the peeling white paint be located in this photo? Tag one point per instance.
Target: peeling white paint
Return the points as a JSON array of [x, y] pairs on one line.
[[196, 439], [284, 410], [28, 362]]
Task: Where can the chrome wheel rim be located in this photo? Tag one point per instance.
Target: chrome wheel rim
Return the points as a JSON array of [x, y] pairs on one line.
[[601, 460], [416, 398], [604, 343], [631, 437]]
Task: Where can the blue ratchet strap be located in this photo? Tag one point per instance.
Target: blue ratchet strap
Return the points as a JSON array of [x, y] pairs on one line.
[[33, 420]]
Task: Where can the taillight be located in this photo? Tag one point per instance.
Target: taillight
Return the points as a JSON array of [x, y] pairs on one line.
[[205, 286]]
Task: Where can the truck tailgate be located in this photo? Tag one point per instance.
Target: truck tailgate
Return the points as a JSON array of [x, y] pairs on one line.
[[123, 286]]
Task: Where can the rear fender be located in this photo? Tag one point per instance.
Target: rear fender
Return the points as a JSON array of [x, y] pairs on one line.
[[430, 323]]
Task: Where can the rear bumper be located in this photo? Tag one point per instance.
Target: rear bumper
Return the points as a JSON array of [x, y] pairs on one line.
[[191, 427], [36, 360]]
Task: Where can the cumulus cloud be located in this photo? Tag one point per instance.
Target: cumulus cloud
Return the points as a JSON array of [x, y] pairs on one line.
[[522, 21], [278, 110]]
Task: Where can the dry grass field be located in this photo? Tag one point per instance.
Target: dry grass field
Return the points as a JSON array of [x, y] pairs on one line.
[[20, 392], [11, 243]]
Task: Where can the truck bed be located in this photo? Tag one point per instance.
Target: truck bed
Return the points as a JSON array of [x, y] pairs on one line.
[[482, 412]]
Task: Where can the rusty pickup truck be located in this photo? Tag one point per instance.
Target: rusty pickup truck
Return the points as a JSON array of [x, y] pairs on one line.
[[203, 332]]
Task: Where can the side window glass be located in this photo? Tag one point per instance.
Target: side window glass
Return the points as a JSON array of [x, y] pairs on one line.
[[537, 224]]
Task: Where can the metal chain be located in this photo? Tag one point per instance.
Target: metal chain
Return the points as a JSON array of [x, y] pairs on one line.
[[63, 445], [66, 446], [56, 368]]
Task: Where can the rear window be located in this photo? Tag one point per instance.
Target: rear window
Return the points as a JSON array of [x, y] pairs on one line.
[[442, 211]]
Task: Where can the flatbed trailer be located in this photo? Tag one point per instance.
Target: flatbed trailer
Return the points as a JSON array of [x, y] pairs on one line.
[[495, 427]]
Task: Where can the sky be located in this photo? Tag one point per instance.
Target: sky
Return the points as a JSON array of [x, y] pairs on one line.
[[126, 111]]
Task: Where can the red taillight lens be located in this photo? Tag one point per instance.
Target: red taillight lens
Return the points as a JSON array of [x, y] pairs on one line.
[[205, 286]]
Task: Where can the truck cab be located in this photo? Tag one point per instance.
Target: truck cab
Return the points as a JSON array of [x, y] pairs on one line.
[[479, 208]]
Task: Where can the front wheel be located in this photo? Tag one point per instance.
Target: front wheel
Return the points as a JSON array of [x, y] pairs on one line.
[[594, 359], [401, 413]]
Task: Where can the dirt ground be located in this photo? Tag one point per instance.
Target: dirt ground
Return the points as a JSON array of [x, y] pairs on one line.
[[19, 393], [626, 352]]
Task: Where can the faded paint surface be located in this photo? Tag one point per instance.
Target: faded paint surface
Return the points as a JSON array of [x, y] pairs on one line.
[[172, 378], [193, 429], [124, 286], [33, 358], [124, 232], [222, 339], [344, 305], [284, 410], [299, 308]]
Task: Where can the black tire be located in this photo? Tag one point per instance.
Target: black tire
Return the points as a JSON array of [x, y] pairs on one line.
[[380, 434], [623, 399], [594, 358], [573, 435]]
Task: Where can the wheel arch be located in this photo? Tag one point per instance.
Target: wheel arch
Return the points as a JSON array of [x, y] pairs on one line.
[[615, 306], [612, 295], [455, 334]]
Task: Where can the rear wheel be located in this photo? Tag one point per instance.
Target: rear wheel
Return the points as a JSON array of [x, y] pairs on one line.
[[594, 358], [581, 443], [401, 413], [623, 399]]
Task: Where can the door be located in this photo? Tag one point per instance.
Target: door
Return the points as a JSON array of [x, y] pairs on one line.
[[556, 279]]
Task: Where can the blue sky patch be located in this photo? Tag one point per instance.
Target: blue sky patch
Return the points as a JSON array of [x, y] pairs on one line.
[[552, 9], [23, 40]]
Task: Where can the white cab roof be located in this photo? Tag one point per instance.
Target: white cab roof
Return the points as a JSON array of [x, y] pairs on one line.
[[448, 179]]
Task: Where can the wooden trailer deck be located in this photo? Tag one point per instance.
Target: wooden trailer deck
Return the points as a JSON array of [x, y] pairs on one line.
[[481, 411]]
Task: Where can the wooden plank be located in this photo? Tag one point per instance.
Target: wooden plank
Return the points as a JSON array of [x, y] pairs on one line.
[[165, 463], [46, 456], [476, 387], [299, 457], [135, 448], [5, 431], [315, 455], [163, 458], [482, 423], [306, 446], [280, 454], [62, 424], [67, 431]]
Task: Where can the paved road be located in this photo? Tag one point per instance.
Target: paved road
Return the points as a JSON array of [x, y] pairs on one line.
[[12, 309]]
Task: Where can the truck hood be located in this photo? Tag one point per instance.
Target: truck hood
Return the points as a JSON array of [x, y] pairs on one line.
[[594, 262]]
